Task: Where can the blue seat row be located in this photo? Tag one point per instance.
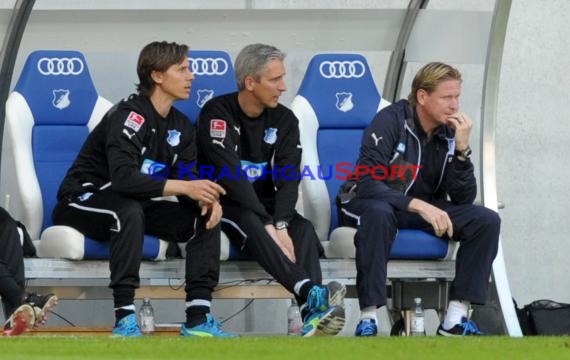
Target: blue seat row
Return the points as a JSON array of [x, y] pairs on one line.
[[55, 104]]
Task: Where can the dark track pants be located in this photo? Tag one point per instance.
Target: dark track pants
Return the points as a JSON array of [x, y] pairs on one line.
[[108, 216], [475, 227], [246, 230], [12, 280]]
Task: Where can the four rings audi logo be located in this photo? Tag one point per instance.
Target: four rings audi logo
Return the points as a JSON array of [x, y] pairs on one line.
[[342, 69], [208, 66], [60, 66]]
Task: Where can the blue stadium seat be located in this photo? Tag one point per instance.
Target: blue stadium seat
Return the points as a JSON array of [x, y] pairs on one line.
[[214, 76], [49, 114], [337, 99]]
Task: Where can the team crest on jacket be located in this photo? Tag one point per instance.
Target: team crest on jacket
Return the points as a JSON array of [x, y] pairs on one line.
[[61, 98], [270, 136], [134, 121], [173, 137], [203, 96], [218, 128], [344, 101]]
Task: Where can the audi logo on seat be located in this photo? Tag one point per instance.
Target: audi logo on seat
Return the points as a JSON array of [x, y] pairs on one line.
[[342, 69], [208, 66], [60, 66]]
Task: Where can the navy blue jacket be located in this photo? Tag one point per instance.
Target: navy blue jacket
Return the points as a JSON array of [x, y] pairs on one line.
[[394, 137]]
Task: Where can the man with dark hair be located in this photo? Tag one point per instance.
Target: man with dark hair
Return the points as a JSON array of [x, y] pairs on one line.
[[429, 133], [141, 150], [251, 131], [22, 310]]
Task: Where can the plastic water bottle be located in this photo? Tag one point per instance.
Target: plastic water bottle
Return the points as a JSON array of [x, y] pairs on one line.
[[418, 326], [294, 323], [146, 317]]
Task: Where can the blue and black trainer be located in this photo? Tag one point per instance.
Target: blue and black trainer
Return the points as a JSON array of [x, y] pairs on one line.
[[325, 305], [322, 297], [210, 328], [127, 327], [465, 328], [321, 323], [366, 327]]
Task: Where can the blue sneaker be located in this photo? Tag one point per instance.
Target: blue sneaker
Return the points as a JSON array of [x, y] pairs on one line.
[[466, 328], [320, 298], [366, 327], [127, 327], [210, 328], [320, 323]]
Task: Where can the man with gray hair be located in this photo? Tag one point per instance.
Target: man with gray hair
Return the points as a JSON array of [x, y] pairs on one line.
[[252, 135]]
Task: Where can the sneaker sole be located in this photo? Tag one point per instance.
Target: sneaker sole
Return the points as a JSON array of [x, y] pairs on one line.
[[118, 336], [207, 335], [441, 332], [21, 320], [42, 314], [330, 325], [337, 292]]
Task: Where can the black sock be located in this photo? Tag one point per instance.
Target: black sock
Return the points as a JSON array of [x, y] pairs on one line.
[[123, 297], [196, 315], [121, 313], [304, 312], [304, 292]]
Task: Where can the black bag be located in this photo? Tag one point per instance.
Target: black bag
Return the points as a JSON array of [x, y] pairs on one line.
[[544, 317]]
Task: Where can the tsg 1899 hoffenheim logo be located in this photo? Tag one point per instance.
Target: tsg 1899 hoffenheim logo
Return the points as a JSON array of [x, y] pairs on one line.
[[203, 96], [61, 98], [344, 101], [270, 136], [173, 137]]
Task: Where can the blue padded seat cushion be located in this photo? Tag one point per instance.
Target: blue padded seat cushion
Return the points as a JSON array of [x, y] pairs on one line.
[[100, 250], [417, 244]]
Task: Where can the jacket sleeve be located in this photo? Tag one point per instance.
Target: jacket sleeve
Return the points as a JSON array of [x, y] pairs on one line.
[[125, 144], [219, 152], [287, 156], [460, 182], [378, 143]]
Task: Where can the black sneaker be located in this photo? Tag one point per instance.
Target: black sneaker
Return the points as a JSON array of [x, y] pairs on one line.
[[42, 305], [466, 328]]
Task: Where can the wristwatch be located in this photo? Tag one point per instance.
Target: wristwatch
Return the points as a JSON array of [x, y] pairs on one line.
[[466, 153], [281, 225]]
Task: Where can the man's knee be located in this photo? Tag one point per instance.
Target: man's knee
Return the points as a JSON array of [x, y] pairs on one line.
[[486, 217], [379, 212], [241, 224], [131, 211]]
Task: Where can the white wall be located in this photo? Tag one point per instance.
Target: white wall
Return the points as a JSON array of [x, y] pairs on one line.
[[532, 140]]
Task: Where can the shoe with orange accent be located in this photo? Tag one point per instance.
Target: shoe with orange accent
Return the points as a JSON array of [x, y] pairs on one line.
[[22, 319]]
